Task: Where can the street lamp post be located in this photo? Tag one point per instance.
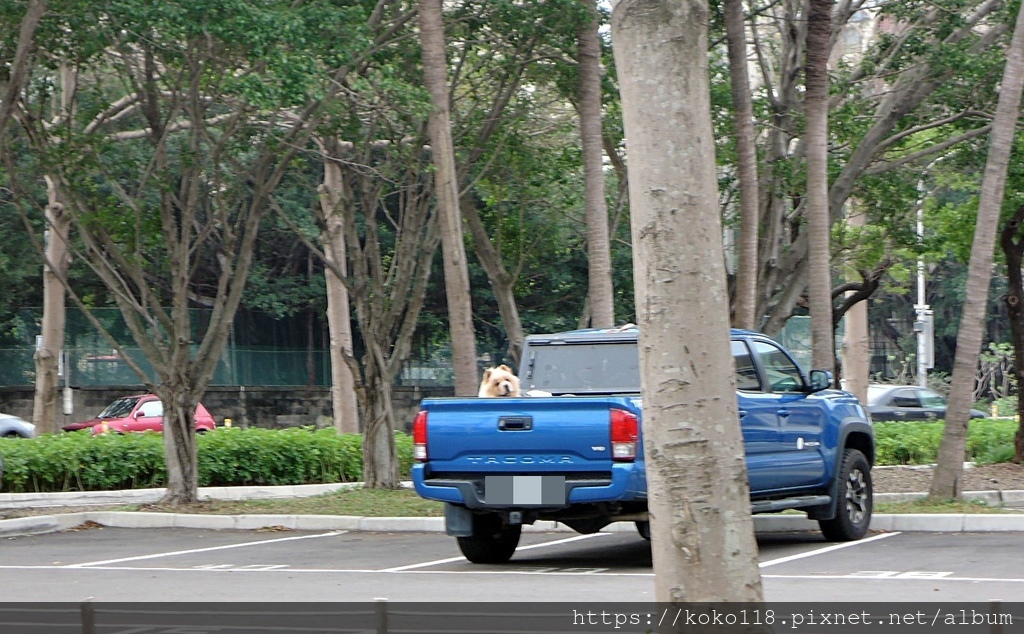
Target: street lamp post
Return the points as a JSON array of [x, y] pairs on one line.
[[924, 317]]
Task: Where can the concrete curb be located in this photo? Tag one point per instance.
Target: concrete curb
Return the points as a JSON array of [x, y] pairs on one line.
[[946, 523], [148, 496]]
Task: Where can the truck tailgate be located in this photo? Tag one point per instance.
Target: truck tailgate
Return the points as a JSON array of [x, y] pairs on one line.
[[525, 435]]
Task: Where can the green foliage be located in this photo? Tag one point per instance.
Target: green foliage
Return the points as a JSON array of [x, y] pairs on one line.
[[1006, 406], [226, 457], [918, 443], [69, 462], [1002, 453]]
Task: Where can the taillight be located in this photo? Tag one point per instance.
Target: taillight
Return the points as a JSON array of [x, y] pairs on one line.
[[419, 436], [625, 432]]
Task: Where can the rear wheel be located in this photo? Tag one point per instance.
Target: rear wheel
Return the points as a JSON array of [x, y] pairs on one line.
[[492, 541], [853, 512], [644, 528]]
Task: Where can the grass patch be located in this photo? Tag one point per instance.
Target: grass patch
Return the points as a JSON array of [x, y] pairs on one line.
[[359, 502]]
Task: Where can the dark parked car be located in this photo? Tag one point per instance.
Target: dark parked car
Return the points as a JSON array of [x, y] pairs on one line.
[[137, 413], [14, 427], [908, 403]]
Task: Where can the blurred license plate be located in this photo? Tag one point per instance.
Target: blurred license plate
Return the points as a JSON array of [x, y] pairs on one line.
[[524, 490]]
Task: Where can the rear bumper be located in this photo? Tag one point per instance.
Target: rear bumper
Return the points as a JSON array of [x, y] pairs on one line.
[[624, 483]]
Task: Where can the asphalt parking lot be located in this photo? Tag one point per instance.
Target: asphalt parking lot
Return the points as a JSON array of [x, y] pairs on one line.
[[175, 564]]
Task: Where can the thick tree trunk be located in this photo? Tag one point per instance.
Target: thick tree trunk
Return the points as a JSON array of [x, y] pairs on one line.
[[702, 531], [55, 267], [745, 302], [339, 320], [380, 455], [180, 444], [456, 271], [47, 357], [856, 346], [599, 258], [1013, 248], [819, 27], [947, 481]]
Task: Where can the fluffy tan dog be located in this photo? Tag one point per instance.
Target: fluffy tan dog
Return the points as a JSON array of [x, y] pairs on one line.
[[499, 381]]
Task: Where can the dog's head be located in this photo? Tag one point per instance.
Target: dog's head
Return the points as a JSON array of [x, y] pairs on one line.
[[499, 381]]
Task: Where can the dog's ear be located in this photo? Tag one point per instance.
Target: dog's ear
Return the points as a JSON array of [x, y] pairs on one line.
[[487, 374], [505, 368]]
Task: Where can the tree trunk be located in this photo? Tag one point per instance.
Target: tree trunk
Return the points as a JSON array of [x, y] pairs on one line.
[[339, 320], [387, 290], [745, 302], [702, 531], [819, 27], [47, 357], [380, 455], [856, 346], [179, 444], [599, 258], [1013, 248], [502, 281], [456, 272], [784, 260], [947, 481], [55, 267], [19, 65]]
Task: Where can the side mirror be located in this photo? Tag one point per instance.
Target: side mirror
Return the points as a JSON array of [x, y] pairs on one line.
[[820, 380]]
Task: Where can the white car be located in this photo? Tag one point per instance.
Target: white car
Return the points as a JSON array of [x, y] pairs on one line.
[[908, 403], [14, 427]]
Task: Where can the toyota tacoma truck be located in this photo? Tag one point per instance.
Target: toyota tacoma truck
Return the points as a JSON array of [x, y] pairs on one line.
[[571, 448]]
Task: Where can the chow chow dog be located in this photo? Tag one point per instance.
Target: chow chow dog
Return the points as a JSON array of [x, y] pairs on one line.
[[499, 381]]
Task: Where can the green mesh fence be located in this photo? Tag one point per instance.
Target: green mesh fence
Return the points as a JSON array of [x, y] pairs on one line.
[[88, 367], [85, 367], [17, 366], [262, 350]]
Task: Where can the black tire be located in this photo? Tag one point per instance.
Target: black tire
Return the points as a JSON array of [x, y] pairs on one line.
[[856, 500], [644, 528], [492, 541]]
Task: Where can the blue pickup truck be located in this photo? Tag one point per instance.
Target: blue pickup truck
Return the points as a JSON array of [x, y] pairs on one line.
[[571, 448]]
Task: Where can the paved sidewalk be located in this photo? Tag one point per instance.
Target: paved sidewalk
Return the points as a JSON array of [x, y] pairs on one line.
[[768, 523]]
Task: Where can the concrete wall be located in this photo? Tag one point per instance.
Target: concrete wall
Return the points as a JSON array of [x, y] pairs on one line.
[[269, 407]]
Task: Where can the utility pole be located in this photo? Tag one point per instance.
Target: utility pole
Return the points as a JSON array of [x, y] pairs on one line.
[[924, 321]]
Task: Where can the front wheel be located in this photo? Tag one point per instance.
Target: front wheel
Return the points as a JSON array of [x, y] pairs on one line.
[[853, 511], [492, 541]]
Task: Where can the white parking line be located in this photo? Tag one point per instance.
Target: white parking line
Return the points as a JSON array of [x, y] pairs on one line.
[[449, 560], [935, 580], [827, 549], [298, 571], [203, 550]]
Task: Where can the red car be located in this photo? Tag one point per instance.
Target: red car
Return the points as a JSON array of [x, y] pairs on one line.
[[135, 414]]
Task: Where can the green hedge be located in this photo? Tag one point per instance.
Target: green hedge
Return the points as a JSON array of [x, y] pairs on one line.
[[233, 457], [988, 440], [227, 457]]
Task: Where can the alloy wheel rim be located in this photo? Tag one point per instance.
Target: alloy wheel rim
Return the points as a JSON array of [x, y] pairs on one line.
[[856, 496]]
